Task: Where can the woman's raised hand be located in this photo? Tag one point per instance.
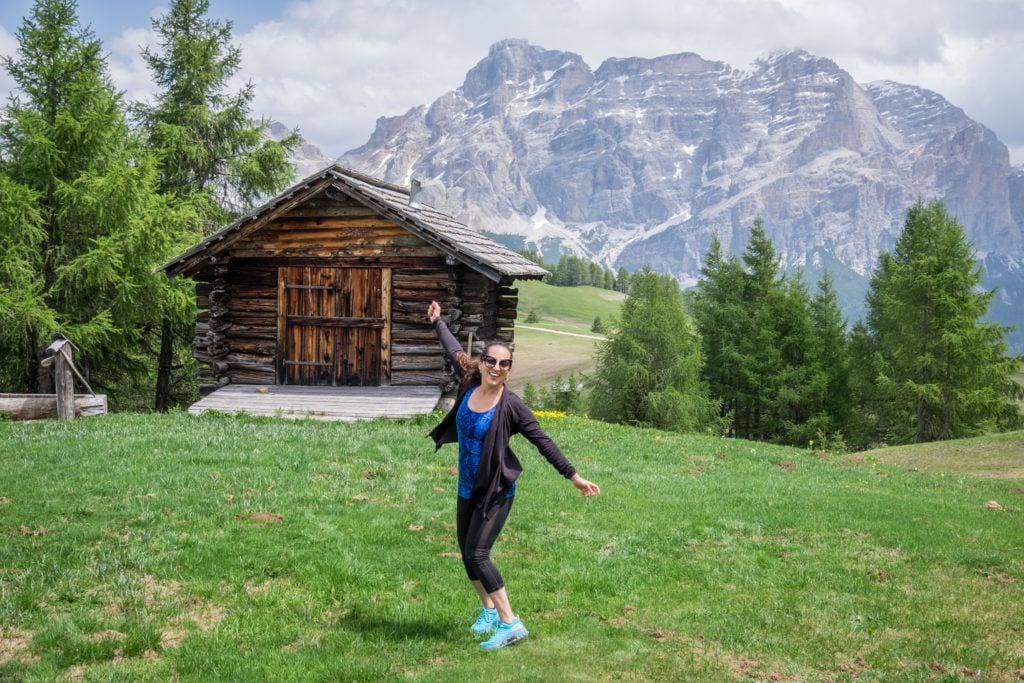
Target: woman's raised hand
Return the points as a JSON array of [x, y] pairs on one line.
[[433, 311]]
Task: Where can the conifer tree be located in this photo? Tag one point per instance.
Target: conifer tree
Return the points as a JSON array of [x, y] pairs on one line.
[[827, 392], [622, 280], [721, 318], [755, 328], [944, 371], [213, 153], [83, 223], [648, 370], [609, 279]]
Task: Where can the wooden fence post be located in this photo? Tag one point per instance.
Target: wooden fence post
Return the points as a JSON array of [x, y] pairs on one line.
[[64, 384]]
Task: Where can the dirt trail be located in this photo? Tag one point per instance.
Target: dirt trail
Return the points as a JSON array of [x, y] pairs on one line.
[[568, 334]]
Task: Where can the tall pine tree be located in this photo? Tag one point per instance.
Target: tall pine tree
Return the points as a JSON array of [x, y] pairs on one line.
[[827, 393], [213, 154], [943, 371], [648, 370], [83, 225], [722, 320]]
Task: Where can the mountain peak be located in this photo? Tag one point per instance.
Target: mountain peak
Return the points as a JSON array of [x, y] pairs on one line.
[[515, 61], [683, 63]]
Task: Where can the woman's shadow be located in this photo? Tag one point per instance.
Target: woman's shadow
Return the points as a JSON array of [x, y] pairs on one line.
[[395, 629]]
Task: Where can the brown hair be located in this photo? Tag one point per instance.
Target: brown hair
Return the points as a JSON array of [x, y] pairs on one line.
[[471, 365]]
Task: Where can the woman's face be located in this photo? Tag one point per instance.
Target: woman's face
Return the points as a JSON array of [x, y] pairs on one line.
[[495, 364]]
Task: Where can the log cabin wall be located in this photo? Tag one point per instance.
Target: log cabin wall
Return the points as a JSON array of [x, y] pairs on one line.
[[236, 332]]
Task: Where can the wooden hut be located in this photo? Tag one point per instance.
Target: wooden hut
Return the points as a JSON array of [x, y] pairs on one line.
[[328, 285]]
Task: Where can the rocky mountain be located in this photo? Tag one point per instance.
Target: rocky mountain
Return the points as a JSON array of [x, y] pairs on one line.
[[641, 161], [307, 157]]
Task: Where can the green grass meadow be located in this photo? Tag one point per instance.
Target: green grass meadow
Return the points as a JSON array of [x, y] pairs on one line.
[[542, 356], [170, 547]]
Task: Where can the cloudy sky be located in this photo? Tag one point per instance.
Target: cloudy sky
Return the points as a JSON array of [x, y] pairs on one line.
[[331, 67]]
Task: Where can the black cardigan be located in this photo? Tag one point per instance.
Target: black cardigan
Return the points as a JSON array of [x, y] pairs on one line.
[[499, 466]]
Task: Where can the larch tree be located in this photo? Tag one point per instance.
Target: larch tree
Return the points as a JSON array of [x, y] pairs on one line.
[[82, 221], [648, 370], [944, 372], [213, 153]]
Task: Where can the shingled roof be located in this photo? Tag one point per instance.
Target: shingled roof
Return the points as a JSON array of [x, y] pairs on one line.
[[437, 228]]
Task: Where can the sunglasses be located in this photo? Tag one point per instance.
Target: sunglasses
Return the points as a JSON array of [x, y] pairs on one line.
[[491, 361]]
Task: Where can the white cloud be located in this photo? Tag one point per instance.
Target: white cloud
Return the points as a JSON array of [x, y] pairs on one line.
[[8, 48], [127, 67], [332, 67]]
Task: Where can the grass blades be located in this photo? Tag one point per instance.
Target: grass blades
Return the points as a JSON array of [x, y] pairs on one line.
[[231, 548]]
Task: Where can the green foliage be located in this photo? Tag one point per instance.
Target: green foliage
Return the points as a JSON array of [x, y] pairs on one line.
[[826, 396], [532, 317], [531, 395], [211, 150], [622, 280], [649, 368], [776, 360], [573, 271], [214, 156], [941, 373], [597, 326], [83, 222]]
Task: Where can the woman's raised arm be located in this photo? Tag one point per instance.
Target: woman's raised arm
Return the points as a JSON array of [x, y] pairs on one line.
[[449, 343]]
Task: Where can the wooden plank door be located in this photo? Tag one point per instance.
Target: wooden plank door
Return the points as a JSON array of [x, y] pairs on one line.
[[333, 326]]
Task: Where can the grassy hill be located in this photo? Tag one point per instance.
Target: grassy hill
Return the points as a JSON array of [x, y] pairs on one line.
[[997, 456], [541, 354], [214, 548]]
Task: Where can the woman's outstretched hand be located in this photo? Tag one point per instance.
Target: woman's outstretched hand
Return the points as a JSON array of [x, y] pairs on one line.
[[433, 312], [587, 488]]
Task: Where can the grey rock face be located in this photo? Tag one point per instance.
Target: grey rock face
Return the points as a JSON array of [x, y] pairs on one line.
[[641, 161], [307, 158]]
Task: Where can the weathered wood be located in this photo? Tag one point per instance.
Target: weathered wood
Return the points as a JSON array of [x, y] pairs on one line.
[[385, 261], [405, 362], [64, 384], [388, 256], [442, 296], [403, 378], [417, 349], [426, 335], [195, 261], [311, 210], [44, 406], [327, 403], [262, 348], [385, 297]]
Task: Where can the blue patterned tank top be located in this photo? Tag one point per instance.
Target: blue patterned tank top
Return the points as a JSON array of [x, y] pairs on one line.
[[472, 427]]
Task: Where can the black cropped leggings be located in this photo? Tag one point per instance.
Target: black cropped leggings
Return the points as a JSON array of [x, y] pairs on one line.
[[477, 536]]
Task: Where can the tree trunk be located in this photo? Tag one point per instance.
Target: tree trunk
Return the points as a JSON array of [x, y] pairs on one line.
[[919, 437], [163, 367], [947, 398]]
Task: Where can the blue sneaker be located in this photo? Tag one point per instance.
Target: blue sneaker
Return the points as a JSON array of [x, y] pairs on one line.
[[486, 622], [505, 634]]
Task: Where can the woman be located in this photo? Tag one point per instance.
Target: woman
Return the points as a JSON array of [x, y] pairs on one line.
[[485, 416]]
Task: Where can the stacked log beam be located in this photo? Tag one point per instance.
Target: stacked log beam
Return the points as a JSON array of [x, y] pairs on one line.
[[252, 323], [210, 346], [416, 357]]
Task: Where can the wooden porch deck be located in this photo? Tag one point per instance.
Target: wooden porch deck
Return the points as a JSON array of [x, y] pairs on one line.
[[320, 403]]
